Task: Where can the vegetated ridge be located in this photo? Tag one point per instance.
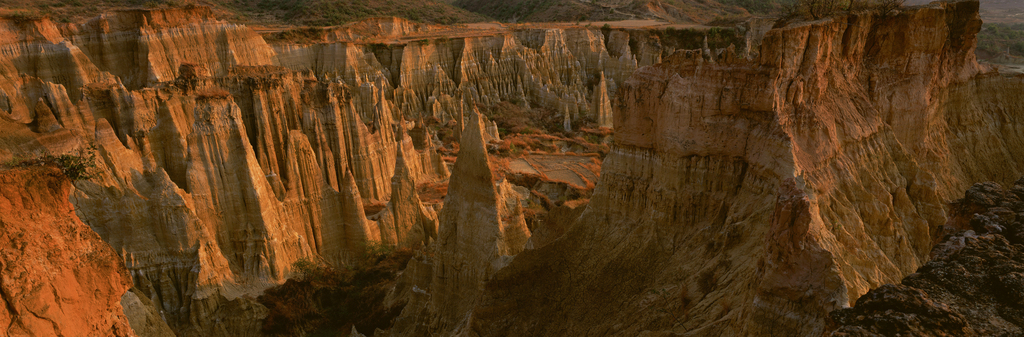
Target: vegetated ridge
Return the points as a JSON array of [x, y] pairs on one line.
[[678, 11], [336, 12], [1001, 43], [260, 12]]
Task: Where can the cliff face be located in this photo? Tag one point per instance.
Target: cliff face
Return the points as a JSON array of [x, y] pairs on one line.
[[742, 196], [479, 233], [481, 228], [58, 277], [224, 158], [753, 197], [972, 285]]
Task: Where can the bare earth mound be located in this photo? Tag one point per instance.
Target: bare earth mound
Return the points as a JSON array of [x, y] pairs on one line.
[[57, 278]]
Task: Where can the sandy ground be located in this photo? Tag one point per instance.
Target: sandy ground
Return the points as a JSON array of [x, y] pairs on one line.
[[485, 25], [1009, 68], [614, 24], [565, 168]]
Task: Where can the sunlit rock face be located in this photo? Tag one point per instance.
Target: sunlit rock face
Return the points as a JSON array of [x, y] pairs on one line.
[[971, 285], [752, 197], [750, 190], [479, 233], [224, 158], [58, 277]]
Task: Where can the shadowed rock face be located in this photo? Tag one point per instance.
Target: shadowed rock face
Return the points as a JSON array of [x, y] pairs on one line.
[[405, 222], [477, 233], [481, 228], [57, 278], [754, 197], [973, 285]]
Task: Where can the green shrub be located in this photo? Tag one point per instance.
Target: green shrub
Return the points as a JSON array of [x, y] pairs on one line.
[[760, 6], [818, 9], [999, 39], [75, 167], [377, 250], [15, 161], [886, 6], [24, 16], [315, 271]]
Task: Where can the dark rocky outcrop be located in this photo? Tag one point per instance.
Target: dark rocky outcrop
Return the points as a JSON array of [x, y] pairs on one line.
[[973, 286]]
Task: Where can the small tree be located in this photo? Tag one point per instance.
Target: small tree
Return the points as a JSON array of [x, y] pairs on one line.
[[818, 9], [75, 167], [886, 6]]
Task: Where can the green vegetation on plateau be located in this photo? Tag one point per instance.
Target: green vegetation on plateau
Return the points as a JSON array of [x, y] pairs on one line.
[[336, 12], [267, 12], [999, 39], [760, 6]]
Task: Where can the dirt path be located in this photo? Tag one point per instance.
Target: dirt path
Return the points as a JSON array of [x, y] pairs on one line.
[[1011, 68]]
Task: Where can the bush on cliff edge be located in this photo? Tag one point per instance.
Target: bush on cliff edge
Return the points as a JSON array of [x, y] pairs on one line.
[[819, 9], [76, 167]]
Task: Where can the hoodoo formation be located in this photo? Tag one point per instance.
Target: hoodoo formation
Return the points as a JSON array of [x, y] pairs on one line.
[[773, 177]]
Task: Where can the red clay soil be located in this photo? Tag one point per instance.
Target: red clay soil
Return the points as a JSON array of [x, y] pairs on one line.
[[57, 277]]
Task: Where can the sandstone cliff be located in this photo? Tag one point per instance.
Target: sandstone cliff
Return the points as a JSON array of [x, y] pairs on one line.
[[405, 222], [752, 197], [972, 285], [478, 232], [225, 158], [481, 228], [58, 277]]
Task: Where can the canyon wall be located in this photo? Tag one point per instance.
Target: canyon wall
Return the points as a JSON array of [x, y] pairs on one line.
[[752, 197], [224, 158], [972, 285], [750, 190], [57, 277]]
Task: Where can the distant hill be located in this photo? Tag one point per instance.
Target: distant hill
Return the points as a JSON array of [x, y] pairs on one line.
[[760, 6], [701, 11], [336, 12], [267, 12], [1001, 43]]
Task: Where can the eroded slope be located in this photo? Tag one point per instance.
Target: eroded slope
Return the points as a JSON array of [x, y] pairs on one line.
[[971, 287], [225, 158], [57, 278], [753, 197]]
